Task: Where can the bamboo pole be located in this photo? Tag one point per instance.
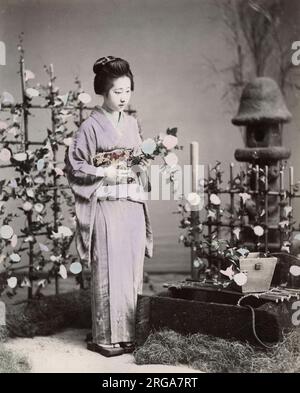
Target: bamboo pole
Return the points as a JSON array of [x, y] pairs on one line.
[[231, 205], [257, 200], [194, 159], [218, 227], [281, 198], [266, 209], [25, 145], [291, 185], [209, 223], [80, 109], [55, 194], [291, 196]]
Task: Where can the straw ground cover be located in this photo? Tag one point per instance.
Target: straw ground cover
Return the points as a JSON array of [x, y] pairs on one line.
[[214, 355], [12, 363]]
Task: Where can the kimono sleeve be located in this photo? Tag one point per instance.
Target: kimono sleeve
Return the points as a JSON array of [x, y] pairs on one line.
[[83, 177]]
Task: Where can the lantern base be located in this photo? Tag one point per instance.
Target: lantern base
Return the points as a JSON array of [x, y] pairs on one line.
[[262, 155]]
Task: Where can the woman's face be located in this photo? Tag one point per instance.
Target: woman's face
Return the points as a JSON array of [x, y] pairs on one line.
[[119, 94]]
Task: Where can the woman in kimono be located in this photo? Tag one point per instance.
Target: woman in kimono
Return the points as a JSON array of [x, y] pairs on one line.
[[113, 233]]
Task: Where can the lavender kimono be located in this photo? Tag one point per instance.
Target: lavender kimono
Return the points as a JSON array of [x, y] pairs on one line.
[[112, 236]]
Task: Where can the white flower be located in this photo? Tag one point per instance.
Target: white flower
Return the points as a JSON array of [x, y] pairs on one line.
[[7, 98], [68, 141], [38, 207], [284, 223], [12, 282], [5, 154], [258, 230], [14, 240], [244, 196], [13, 183], [228, 272], [29, 75], [27, 206], [14, 131], [170, 141], [64, 231], [193, 198], [295, 270], [15, 258], [28, 239], [43, 247], [171, 159], [187, 207], [148, 146], [297, 236], [214, 199], [55, 258], [288, 210], [30, 92], [76, 268], [25, 283], [30, 192], [286, 247], [84, 98], [20, 157], [39, 180], [63, 272], [236, 232], [6, 232], [3, 125], [211, 214], [42, 283], [59, 171], [40, 164], [240, 279]]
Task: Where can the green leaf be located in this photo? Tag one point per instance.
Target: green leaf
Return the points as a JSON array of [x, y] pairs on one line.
[[172, 131]]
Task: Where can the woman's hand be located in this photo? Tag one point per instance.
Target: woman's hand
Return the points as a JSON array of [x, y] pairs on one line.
[[112, 175]]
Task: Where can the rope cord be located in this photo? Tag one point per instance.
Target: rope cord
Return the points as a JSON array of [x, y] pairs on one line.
[[255, 333], [253, 312]]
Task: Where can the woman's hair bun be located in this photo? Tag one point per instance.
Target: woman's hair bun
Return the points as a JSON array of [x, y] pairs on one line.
[[97, 67]]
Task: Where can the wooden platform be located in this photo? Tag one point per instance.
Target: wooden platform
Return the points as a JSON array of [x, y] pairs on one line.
[[188, 308]]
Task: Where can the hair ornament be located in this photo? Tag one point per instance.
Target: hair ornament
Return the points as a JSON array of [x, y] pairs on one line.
[[102, 62]]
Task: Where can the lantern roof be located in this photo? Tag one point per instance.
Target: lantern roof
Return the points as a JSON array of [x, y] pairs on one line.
[[262, 102]]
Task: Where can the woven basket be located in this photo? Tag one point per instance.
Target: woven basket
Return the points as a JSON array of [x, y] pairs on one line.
[[259, 271]]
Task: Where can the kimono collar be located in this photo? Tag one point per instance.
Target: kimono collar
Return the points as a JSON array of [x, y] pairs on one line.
[[102, 119]]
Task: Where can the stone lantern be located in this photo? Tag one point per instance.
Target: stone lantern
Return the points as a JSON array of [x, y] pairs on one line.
[[263, 112]]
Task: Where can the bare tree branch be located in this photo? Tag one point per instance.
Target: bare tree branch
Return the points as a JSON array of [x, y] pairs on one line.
[[259, 34]]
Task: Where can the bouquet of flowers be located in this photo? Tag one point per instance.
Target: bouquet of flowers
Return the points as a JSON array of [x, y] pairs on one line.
[[161, 145], [141, 156]]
